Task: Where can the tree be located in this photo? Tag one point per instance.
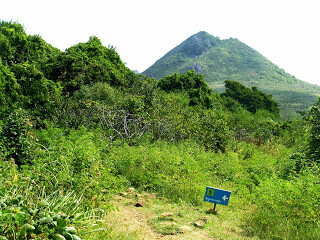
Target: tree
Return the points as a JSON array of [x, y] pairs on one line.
[[251, 99], [88, 63], [314, 138], [18, 47], [37, 93], [193, 83], [16, 134], [22, 83], [9, 89]]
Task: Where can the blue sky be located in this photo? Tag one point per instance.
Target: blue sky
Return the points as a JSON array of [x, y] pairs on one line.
[[284, 31]]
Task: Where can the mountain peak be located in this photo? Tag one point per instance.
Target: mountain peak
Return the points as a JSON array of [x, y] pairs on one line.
[[194, 46], [202, 34], [198, 44], [230, 59]]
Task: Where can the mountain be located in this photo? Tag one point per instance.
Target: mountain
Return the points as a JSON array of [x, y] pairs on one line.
[[230, 59]]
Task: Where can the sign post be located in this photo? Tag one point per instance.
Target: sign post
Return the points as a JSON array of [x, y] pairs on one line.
[[217, 196]]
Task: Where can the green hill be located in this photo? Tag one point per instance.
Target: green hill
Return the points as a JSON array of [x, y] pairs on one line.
[[230, 59]]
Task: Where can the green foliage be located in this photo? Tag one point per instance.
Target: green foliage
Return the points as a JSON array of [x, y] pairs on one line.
[[88, 63], [251, 99], [83, 108], [146, 88], [168, 169], [13, 43], [293, 133], [99, 92], [48, 184], [21, 218], [9, 89], [173, 120], [181, 171], [22, 83], [75, 161], [287, 209], [314, 139], [73, 113], [17, 137], [37, 93], [18, 47], [210, 128], [255, 128], [191, 82]]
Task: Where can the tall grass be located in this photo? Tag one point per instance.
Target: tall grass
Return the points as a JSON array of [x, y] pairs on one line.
[[76, 172], [287, 209], [182, 171]]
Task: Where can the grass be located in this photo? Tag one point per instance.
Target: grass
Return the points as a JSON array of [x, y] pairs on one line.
[[162, 218]]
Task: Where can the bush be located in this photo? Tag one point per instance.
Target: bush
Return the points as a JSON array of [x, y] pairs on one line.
[[88, 63], [75, 160], [251, 99], [287, 209], [194, 84], [314, 139], [17, 137], [179, 171], [9, 89]]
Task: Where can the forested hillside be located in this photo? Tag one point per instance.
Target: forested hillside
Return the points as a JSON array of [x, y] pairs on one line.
[[230, 59], [78, 127]]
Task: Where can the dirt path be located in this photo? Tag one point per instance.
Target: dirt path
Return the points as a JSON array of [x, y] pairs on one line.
[[131, 222]]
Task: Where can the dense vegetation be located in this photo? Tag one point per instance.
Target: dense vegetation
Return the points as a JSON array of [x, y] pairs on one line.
[[191, 83], [77, 126], [251, 99], [230, 59]]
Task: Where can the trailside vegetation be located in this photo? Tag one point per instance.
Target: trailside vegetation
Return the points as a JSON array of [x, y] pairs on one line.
[[191, 83], [251, 99], [78, 126]]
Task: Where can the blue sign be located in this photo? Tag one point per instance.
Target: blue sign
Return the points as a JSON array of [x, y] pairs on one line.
[[216, 195]]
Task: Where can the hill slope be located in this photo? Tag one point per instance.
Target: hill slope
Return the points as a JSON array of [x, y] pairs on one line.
[[230, 59]]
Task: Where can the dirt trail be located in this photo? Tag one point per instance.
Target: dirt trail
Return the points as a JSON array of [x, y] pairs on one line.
[[130, 222]]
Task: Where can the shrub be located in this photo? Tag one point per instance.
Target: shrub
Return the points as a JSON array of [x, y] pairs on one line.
[[251, 99], [75, 160], [314, 139], [17, 137], [193, 83], [9, 89], [287, 209]]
